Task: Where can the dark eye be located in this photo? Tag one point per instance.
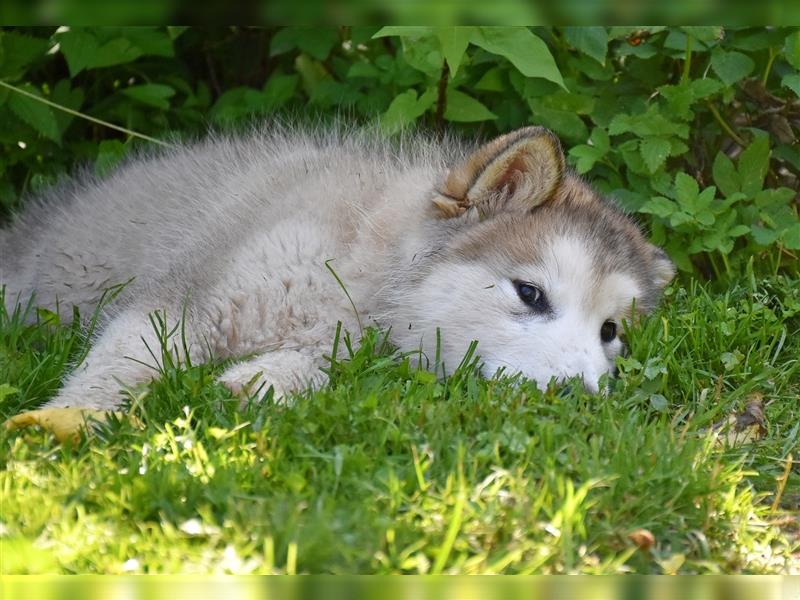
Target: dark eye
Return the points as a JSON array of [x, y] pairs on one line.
[[608, 332], [532, 296]]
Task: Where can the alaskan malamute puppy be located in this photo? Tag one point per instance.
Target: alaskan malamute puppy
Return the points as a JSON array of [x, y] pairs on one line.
[[498, 243]]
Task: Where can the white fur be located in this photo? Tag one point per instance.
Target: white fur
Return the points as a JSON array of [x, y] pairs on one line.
[[561, 345], [235, 233]]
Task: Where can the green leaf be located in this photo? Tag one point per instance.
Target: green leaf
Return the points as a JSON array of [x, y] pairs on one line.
[[175, 31], [464, 108], [738, 230], [363, 69], [654, 152], [84, 51], [109, 154], [731, 67], [764, 236], [592, 41], [658, 403], [116, 52], [64, 95], [730, 359], [36, 114], [424, 54], [600, 139], [236, 103], [791, 237], [454, 41], [753, 166], [585, 157], [150, 41], [316, 41], [725, 175], [566, 124], [792, 82], [651, 122], [527, 52], [791, 49], [703, 88], [686, 189], [403, 31], [705, 33], [151, 94], [492, 81], [405, 109], [17, 51], [279, 90], [659, 206], [6, 390], [312, 72], [79, 50]]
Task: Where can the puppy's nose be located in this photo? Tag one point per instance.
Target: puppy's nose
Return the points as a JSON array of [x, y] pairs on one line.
[[575, 382]]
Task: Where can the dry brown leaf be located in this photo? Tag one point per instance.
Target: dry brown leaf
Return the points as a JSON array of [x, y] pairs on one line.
[[65, 424], [742, 428], [643, 538]]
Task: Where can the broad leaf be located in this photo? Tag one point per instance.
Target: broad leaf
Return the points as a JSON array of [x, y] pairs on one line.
[[686, 189], [731, 67], [654, 152], [791, 237], [725, 175], [454, 41], [403, 31], [316, 41], [405, 109], [659, 206], [753, 165], [36, 114], [792, 82], [592, 41], [585, 157], [791, 49], [152, 94], [464, 108], [17, 51], [527, 52]]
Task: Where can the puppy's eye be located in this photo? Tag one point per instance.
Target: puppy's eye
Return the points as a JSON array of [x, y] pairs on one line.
[[608, 332], [532, 296]]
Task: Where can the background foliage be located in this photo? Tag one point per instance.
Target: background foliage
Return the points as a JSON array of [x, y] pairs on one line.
[[694, 128], [389, 469]]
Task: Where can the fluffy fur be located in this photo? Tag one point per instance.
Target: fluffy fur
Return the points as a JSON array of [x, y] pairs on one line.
[[235, 233]]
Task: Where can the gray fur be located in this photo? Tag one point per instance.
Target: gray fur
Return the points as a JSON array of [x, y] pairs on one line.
[[237, 231]]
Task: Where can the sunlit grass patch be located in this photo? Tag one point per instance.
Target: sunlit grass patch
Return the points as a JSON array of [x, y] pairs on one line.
[[390, 469]]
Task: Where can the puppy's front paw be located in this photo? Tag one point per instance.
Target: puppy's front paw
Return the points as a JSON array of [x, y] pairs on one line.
[[287, 371], [245, 381]]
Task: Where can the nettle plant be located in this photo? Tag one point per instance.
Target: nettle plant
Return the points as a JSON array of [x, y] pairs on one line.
[[693, 128]]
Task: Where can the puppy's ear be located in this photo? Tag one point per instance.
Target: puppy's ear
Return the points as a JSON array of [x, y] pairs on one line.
[[515, 172], [662, 268]]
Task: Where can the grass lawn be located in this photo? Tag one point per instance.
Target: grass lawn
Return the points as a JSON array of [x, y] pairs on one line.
[[391, 470]]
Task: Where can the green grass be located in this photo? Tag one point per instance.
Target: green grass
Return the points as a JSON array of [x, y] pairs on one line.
[[391, 470]]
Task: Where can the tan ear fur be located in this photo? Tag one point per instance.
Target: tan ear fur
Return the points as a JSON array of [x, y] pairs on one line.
[[663, 268], [517, 171]]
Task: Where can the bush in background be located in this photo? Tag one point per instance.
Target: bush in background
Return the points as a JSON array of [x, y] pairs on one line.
[[693, 128]]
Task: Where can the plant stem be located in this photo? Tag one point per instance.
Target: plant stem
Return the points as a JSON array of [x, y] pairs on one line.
[[722, 123], [772, 56], [75, 113], [687, 62], [441, 101]]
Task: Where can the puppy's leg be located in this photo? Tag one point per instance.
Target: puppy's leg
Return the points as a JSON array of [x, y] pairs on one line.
[[286, 370], [119, 358]]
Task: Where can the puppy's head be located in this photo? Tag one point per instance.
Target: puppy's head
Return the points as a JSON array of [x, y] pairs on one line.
[[537, 267]]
